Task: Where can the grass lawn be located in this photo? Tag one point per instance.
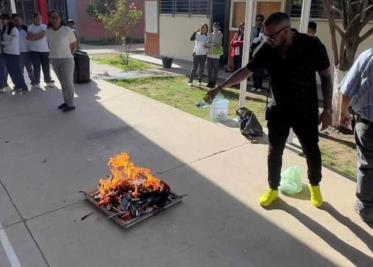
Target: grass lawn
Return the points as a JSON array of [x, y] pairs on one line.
[[175, 92], [115, 60]]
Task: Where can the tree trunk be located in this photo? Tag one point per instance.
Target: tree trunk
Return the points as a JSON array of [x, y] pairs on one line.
[[338, 77]]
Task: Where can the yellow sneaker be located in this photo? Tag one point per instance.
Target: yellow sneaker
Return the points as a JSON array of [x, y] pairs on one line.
[[316, 197], [268, 197]]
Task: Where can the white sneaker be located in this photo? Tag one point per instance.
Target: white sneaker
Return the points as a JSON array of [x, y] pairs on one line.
[[2, 90], [258, 90], [190, 83], [36, 86]]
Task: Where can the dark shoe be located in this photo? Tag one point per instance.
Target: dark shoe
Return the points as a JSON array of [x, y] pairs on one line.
[[50, 84], [363, 216], [68, 109], [62, 106], [210, 85]]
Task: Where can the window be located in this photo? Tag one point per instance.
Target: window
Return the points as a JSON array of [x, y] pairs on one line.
[[167, 6], [198, 7], [181, 6], [316, 8]]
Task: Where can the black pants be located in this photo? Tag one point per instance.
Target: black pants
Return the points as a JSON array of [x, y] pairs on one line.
[[212, 71], [306, 129], [41, 59], [237, 61], [198, 64]]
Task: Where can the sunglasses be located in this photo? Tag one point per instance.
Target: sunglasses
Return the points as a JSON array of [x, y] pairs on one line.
[[273, 36]]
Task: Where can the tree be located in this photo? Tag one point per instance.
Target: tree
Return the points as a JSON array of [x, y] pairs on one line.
[[118, 17], [355, 16]]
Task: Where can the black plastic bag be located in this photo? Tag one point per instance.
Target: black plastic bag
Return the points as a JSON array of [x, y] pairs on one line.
[[249, 124]]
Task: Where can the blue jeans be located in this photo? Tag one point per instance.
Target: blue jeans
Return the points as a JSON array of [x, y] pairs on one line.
[[13, 63], [364, 189]]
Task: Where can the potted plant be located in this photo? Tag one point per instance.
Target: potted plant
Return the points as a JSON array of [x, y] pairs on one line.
[[167, 62]]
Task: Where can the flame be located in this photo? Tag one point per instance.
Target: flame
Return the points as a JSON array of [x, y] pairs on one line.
[[125, 175]]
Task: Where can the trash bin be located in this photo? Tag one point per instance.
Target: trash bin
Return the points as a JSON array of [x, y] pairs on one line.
[[167, 62]]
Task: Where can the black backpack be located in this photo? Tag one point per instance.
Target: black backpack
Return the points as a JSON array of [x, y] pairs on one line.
[[249, 124]]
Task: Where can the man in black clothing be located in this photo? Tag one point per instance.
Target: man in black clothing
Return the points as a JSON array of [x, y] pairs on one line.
[[292, 60]]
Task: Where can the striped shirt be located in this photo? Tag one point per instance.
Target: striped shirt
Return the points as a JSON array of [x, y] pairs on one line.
[[358, 85]]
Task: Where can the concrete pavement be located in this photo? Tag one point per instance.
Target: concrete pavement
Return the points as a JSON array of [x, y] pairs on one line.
[[48, 156]]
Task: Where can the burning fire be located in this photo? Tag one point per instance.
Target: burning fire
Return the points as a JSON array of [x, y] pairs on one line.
[[126, 177]]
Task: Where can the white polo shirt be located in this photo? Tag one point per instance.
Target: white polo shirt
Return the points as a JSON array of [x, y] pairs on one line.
[[40, 45], [59, 42], [11, 43]]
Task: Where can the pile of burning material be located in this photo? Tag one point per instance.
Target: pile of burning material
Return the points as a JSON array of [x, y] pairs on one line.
[[131, 194]]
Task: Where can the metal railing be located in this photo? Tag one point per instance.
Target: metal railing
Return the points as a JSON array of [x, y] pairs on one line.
[[317, 10], [189, 7]]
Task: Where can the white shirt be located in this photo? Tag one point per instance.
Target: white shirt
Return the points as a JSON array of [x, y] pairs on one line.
[[10, 42], [23, 42], [59, 42], [40, 45], [199, 43]]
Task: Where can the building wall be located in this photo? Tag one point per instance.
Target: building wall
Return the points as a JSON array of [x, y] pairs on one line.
[[91, 30], [175, 32]]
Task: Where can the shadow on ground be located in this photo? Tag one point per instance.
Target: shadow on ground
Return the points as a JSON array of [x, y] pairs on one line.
[[60, 154]]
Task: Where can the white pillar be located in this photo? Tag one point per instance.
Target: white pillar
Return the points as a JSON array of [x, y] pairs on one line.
[[13, 6], [305, 17], [249, 15]]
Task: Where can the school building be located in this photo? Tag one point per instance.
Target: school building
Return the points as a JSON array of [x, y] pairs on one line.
[[88, 28], [170, 23]]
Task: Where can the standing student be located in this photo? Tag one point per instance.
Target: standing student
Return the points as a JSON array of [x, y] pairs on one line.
[[257, 28], [62, 44], [255, 40], [39, 49], [71, 24], [24, 48], [3, 71], [199, 53], [11, 53], [237, 46], [215, 51]]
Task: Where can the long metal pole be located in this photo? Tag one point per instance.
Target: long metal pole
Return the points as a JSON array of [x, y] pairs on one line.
[[13, 6], [250, 4]]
